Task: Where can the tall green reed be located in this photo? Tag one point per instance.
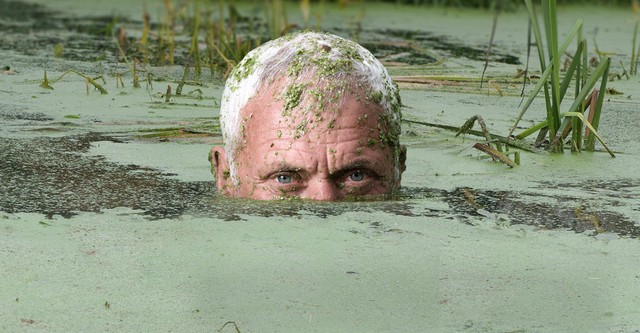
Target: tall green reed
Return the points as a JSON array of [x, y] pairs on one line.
[[559, 124]]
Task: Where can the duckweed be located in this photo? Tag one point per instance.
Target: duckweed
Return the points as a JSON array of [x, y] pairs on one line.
[[300, 129], [375, 96], [292, 97], [243, 70]]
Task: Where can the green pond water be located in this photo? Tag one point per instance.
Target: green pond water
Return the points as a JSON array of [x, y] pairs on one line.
[[110, 221]]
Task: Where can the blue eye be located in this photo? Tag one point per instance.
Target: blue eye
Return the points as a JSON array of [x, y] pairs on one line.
[[284, 179], [357, 176]]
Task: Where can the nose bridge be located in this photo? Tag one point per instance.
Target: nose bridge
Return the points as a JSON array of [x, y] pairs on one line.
[[323, 189]]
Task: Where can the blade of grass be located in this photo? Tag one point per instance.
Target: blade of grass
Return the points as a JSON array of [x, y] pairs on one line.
[[590, 144], [533, 19], [600, 72], [551, 29], [569, 73], [536, 89], [576, 135], [593, 100], [593, 130], [552, 101]]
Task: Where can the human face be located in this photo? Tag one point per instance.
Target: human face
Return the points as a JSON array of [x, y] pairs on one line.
[[330, 155]]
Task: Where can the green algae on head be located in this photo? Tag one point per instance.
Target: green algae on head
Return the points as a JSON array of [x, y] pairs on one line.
[[292, 97], [241, 72], [311, 89]]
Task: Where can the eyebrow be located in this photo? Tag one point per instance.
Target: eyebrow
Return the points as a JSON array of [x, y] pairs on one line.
[[360, 163], [286, 167]]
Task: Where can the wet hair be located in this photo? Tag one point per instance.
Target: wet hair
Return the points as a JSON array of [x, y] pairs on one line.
[[317, 58]]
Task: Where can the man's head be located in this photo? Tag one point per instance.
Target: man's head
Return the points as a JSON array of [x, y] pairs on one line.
[[309, 115]]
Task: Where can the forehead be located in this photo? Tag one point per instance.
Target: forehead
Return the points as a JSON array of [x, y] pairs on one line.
[[299, 104]]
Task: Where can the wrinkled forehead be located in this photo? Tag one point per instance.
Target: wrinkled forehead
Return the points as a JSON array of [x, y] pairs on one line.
[[312, 96]]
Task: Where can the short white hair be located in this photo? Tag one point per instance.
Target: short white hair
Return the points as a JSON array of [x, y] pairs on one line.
[[295, 56]]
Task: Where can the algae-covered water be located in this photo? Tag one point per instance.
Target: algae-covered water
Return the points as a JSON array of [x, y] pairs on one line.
[[109, 219]]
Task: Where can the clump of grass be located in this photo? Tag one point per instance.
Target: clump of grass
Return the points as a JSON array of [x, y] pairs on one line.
[[559, 124], [226, 47], [489, 3], [89, 81], [497, 153], [45, 82], [218, 25]]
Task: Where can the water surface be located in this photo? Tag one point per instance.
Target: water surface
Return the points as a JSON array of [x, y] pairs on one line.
[[107, 206]]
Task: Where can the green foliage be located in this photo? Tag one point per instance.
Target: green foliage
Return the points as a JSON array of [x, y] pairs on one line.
[[558, 125], [504, 3]]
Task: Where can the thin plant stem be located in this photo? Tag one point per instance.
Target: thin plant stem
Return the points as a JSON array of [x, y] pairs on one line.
[[526, 67], [87, 78], [632, 67], [488, 54], [494, 137]]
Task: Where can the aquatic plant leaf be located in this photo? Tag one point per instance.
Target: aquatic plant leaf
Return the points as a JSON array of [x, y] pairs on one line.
[[595, 121], [572, 67], [552, 89], [536, 89], [593, 130], [601, 70], [45, 83]]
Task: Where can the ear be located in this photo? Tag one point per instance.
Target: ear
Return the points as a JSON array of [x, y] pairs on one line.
[[402, 158], [220, 170]]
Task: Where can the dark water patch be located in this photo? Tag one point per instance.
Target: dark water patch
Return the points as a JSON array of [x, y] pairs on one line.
[[423, 40], [55, 176], [52, 176], [12, 113], [557, 211], [27, 13], [611, 188], [34, 29], [402, 52], [242, 209]]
